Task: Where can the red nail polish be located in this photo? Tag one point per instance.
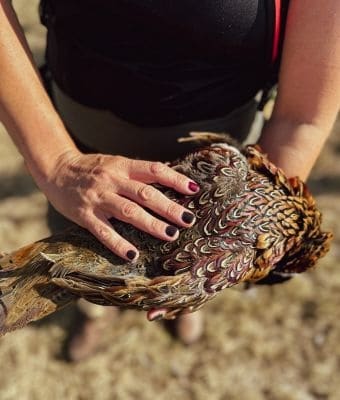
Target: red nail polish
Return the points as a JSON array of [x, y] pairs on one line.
[[193, 187]]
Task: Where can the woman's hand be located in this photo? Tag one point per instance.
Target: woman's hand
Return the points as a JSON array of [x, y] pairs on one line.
[[91, 189]]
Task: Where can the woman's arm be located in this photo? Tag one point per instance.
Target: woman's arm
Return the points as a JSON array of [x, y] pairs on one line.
[[88, 189], [25, 108], [309, 86]]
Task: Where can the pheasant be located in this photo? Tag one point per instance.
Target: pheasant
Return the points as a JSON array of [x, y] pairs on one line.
[[253, 224]]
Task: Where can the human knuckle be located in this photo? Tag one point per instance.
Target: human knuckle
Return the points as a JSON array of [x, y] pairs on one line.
[[84, 215], [103, 232], [120, 162], [145, 193], [119, 159], [172, 209], [155, 225], [157, 168], [118, 245], [129, 209], [178, 180]]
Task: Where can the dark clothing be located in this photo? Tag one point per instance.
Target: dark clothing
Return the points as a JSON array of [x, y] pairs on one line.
[[160, 62]]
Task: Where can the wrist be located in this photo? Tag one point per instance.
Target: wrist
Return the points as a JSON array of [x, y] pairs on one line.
[[43, 167], [43, 150], [293, 146]]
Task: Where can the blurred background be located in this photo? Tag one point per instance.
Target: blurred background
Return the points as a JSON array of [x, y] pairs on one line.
[[279, 343]]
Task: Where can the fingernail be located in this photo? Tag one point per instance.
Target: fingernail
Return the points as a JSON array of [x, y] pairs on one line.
[[131, 254], [171, 230], [193, 187], [188, 217], [156, 314]]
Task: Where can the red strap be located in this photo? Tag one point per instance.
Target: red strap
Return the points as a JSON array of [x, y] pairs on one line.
[[277, 26]]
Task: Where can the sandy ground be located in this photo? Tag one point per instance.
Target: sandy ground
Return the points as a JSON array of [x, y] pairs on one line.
[[280, 343]]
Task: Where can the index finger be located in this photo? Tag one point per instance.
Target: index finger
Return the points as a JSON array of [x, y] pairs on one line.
[[157, 172]]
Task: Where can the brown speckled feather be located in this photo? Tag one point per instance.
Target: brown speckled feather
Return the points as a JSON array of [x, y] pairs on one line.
[[253, 224]]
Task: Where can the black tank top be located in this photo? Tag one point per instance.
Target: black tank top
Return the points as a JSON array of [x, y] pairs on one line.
[[160, 62]]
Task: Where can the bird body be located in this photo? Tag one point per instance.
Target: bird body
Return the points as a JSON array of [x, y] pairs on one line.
[[252, 224]]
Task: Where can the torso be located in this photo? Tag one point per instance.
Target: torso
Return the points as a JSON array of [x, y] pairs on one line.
[[161, 62]]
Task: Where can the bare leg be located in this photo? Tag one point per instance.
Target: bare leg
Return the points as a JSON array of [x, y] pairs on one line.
[[189, 327], [92, 322]]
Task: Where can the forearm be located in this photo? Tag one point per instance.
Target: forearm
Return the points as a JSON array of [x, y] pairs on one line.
[[294, 147], [25, 108], [308, 94]]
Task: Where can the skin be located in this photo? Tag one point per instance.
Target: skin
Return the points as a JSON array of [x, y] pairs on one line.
[[308, 95], [89, 189]]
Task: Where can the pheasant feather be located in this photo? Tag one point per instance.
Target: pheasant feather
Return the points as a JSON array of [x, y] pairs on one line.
[[253, 224]]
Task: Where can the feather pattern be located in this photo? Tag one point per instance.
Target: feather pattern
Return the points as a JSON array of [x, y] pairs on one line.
[[252, 224]]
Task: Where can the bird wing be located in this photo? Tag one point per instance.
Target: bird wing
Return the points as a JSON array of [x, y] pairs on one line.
[[26, 292]]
